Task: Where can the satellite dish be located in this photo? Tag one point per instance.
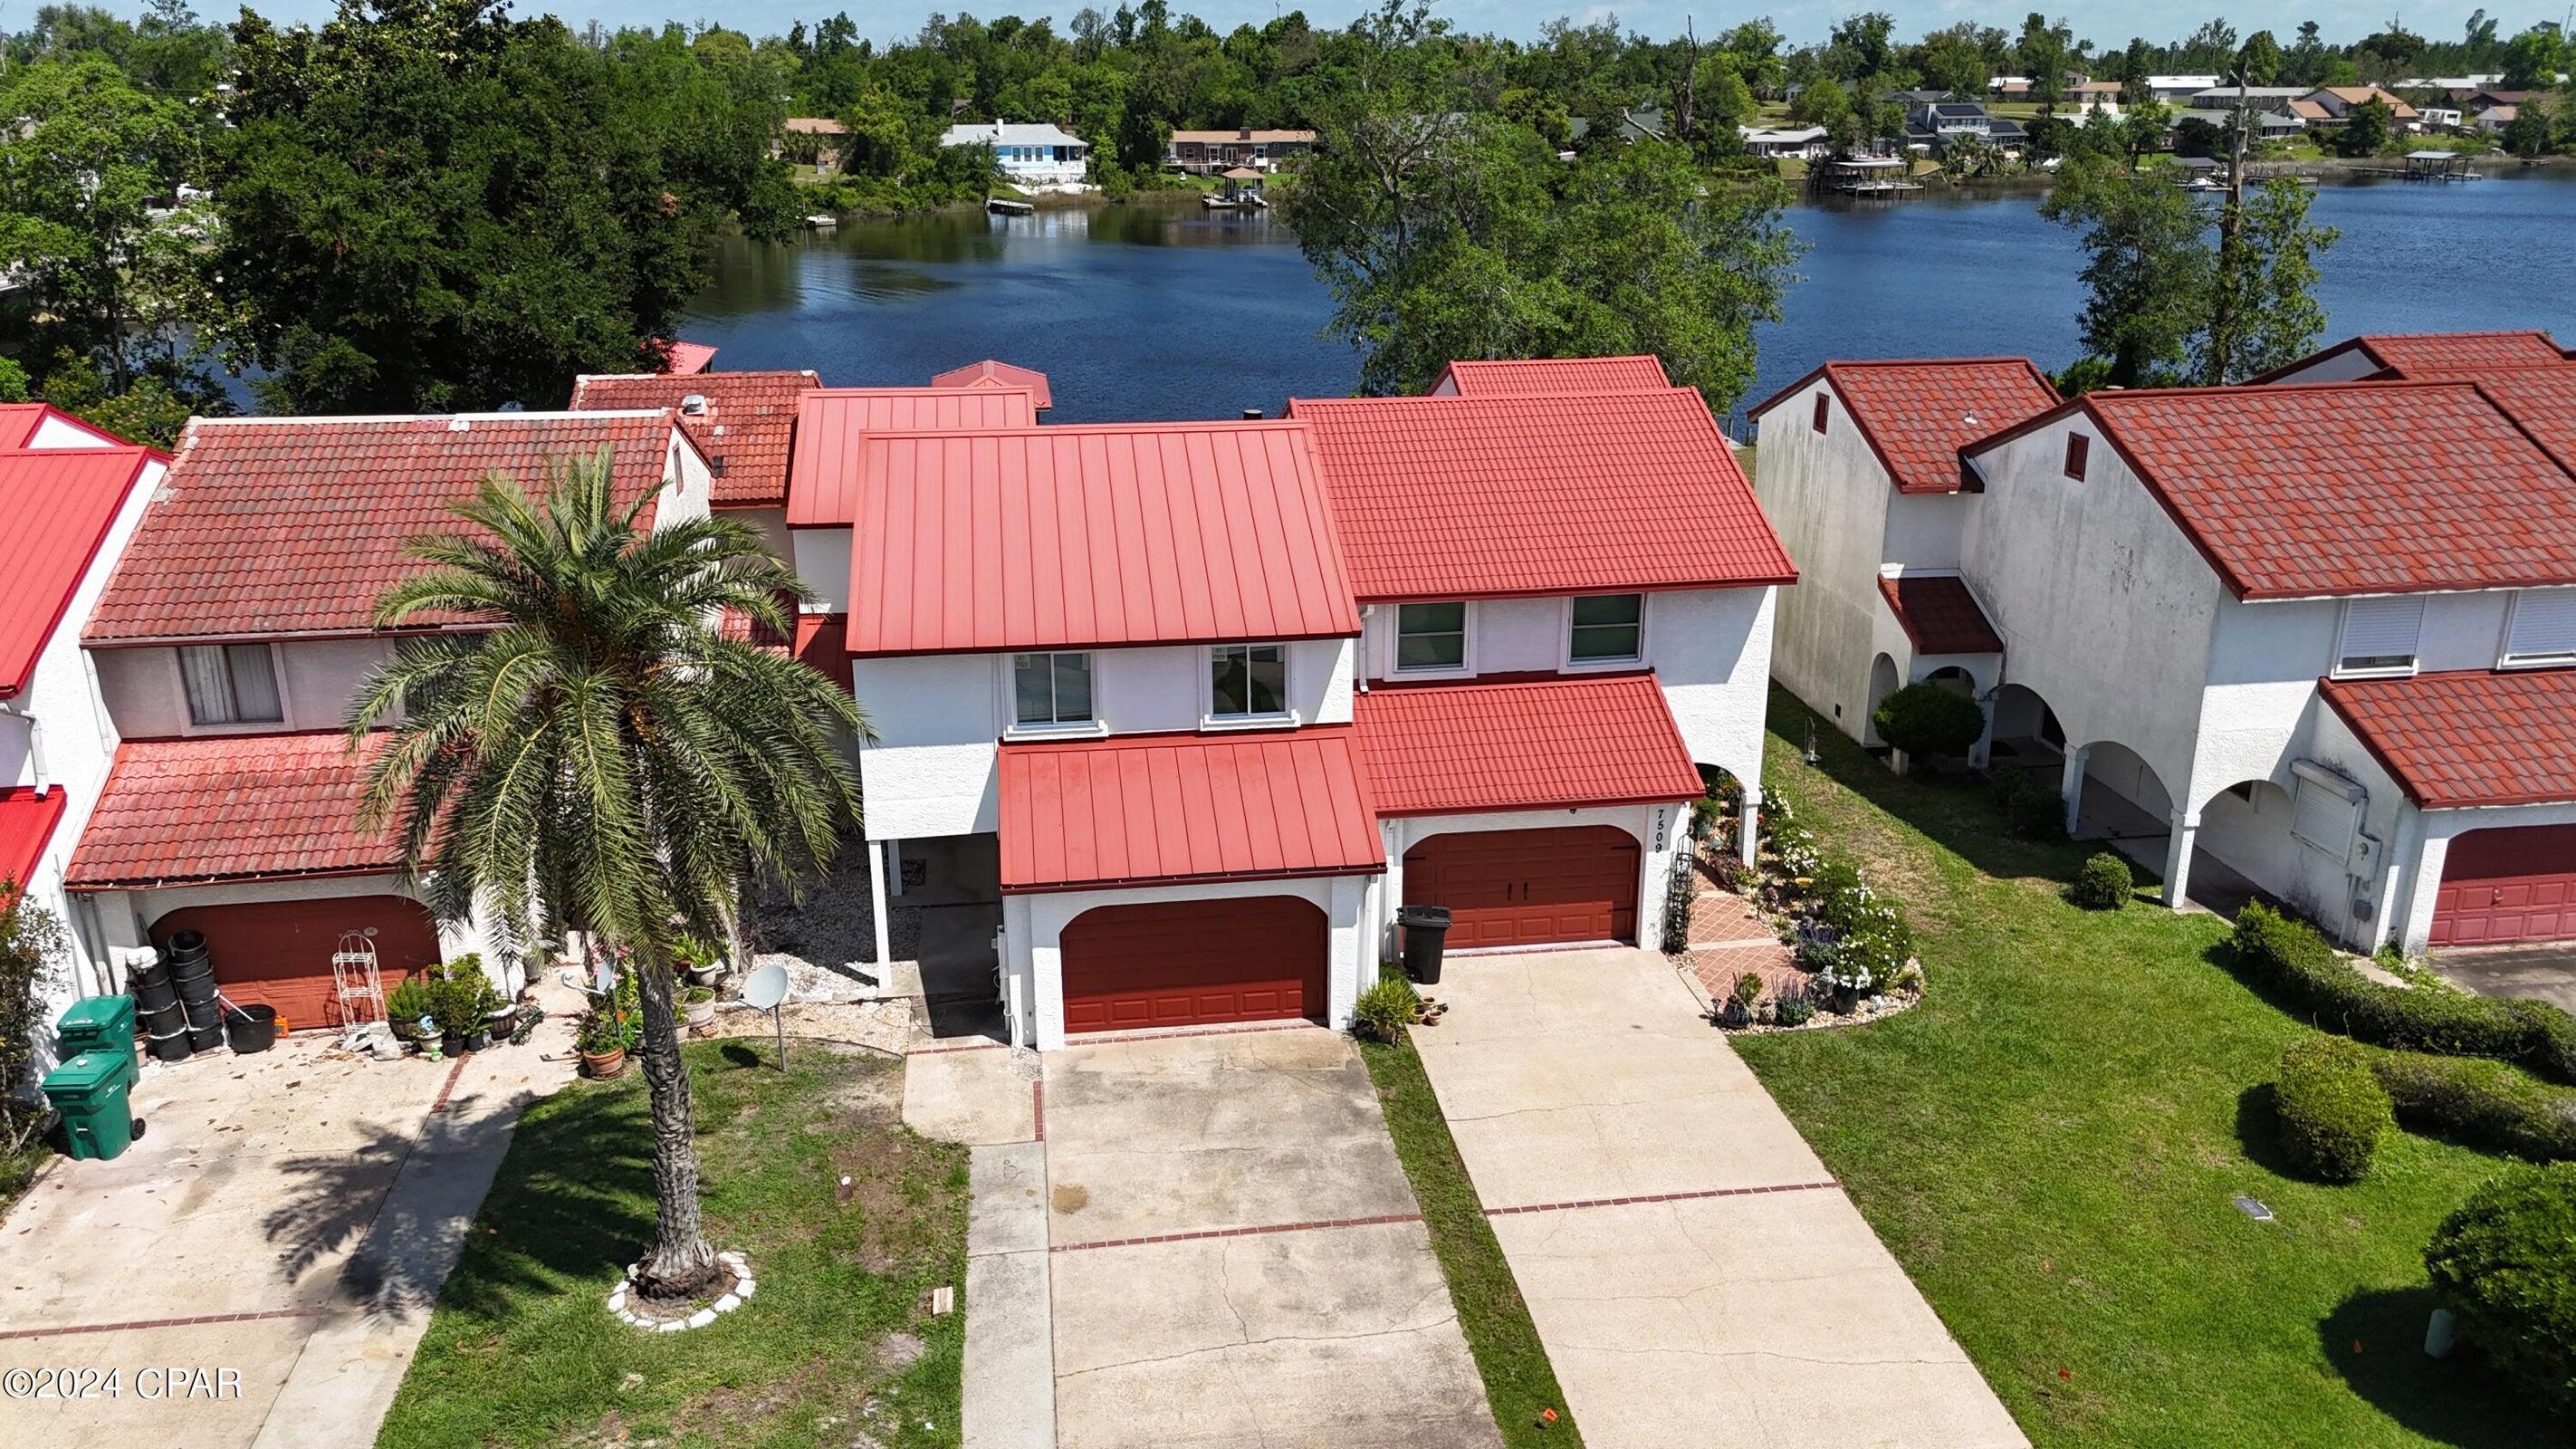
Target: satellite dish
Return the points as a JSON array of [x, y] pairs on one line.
[[765, 988]]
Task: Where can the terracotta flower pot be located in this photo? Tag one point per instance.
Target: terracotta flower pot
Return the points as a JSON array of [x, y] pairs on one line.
[[603, 1065]]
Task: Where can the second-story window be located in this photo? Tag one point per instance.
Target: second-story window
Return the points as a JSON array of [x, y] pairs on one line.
[[2380, 635], [231, 684], [2543, 630], [1247, 681], [1050, 689], [1430, 636], [1608, 629]]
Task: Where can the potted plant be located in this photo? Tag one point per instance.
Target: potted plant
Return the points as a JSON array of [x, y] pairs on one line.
[[698, 1003], [459, 1004], [702, 962], [602, 1044], [1738, 1010], [407, 1005]]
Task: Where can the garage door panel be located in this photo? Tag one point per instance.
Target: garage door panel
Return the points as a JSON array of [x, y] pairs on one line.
[[1193, 963], [278, 953], [2507, 884], [1528, 887]]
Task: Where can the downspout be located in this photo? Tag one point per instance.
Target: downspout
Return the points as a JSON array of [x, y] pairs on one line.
[[1359, 653]]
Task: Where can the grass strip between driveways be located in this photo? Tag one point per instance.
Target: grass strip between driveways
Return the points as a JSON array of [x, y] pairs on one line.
[[1519, 1381]]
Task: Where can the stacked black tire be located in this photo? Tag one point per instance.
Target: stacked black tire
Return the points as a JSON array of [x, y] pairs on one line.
[[192, 971], [157, 1008]]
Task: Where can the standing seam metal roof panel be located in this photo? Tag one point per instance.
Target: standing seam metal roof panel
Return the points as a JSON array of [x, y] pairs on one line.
[[56, 507], [823, 483]]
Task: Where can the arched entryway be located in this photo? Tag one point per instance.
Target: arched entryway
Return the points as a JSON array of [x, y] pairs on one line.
[[1529, 887], [278, 953], [1954, 679], [1882, 683], [1194, 963]]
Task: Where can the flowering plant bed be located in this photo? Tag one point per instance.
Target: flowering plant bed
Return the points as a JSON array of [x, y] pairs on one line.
[[1852, 955]]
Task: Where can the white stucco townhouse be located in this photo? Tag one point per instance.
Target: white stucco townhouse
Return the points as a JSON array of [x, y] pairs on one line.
[[227, 648]]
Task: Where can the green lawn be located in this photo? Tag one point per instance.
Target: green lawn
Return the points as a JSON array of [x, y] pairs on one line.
[[1519, 1381], [522, 1352], [2051, 1143]]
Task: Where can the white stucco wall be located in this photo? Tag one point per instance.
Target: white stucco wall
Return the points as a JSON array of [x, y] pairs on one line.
[[1033, 932], [1928, 531], [1657, 828], [821, 557], [57, 431], [771, 523], [1828, 498]]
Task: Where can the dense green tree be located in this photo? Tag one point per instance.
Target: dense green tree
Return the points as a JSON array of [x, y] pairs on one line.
[[2260, 60], [608, 758], [2368, 129], [2045, 52], [1862, 45], [2263, 308], [2536, 58], [2532, 131], [1952, 60]]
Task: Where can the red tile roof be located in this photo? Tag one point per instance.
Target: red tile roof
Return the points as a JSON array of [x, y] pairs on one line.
[[2543, 401], [745, 431], [2475, 738], [2345, 488], [57, 506], [1917, 415], [1071, 537], [1478, 497], [2436, 355], [1168, 808], [823, 479], [989, 373], [1543, 376], [1437, 749], [296, 525], [1939, 615], [228, 807], [27, 822]]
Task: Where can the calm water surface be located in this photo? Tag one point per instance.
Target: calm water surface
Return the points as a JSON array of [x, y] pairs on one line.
[[1154, 312]]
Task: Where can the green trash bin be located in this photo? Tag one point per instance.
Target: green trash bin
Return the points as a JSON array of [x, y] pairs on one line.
[[90, 1090], [98, 1024]]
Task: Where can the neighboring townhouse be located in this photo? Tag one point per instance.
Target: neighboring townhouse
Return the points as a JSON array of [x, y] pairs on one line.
[[1550, 376], [1857, 465], [70, 498], [1205, 153], [2323, 635], [991, 374], [2384, 356], [743, 423], [228, 648], [1031, 154]]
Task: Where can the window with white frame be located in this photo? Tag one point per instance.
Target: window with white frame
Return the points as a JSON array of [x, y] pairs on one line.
[[2543, 627], [1247, 681], [1050, 689], [2325, 809], [1607, 629], [1430, 636], [2380, 635], [231, 684]]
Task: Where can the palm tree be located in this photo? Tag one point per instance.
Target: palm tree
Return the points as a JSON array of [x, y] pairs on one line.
[[607, 758]]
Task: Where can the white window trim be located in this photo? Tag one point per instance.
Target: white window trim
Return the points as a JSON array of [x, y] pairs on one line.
[[1006, 702], [189, 728], [1464, 669], [2343, 626], [2507, 659], [1568, 664], [1210, 721]]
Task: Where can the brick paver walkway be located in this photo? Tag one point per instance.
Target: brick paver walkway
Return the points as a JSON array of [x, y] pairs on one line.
[[1728, 937]]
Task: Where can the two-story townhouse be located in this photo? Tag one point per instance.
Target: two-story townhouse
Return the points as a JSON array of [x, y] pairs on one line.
[[70, 497], [228, 647], [1857, 465], [743, 423], [2318, 634], [1567, 605], [2398, 356], [1109, 670]]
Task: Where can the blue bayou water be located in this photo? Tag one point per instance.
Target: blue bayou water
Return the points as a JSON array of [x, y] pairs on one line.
[[1157, 312]]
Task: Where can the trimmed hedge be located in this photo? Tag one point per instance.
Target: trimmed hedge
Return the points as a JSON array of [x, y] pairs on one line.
[[2032, 810], [2289, 958], [2104, 883], [2479, 1103], [1925, 719], [2506, 1264], [2331, 1109]]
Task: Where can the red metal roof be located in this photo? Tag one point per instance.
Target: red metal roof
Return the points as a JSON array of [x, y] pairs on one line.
[[1939, 615], [228, 807], [989, 373], [1552, 376], [2308, 490], [19, 422], [690, 357], [2504, 737], [745, 431], [1917, 415], [57, 506], [27, 822], [1487, 497], [296, 525], [1072, 537], [1167, 808], [831, 423], [1439, 749], [822, 641]]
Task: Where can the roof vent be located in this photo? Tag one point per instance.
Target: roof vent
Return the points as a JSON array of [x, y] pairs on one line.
[[460, 425], [1252, 415], [694, 405]]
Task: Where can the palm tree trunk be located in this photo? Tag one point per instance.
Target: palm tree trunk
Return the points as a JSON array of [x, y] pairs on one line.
[[682, 1263]]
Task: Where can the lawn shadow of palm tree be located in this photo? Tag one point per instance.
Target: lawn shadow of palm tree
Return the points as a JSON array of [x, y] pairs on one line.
[[2375, 1340], [423, 1220]]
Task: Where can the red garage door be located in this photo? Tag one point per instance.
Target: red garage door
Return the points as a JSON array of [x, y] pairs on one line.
[[1191, 963], [2508, 885], [1528, 887], [279, 952]]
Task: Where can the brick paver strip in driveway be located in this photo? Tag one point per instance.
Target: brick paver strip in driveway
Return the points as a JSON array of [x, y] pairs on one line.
[[1237, 1259], [1695, 1273]]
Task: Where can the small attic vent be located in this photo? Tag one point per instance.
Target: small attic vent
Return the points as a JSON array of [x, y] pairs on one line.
[[694, 405], [460, 425]]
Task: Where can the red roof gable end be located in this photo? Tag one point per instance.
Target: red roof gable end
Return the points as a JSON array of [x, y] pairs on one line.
[[1917, 415], [745, 431]]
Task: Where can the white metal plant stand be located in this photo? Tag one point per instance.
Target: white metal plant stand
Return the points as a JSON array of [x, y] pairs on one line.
[[361, 988]]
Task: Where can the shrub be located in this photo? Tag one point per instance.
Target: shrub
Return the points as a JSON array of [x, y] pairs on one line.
[[2104, 884], [2479, 1103], [2032, 810], [408, 1002], [2506, 1264], [1925, 719], [2331, 1109], [1384, 1010], [1793, 1006], [2289, 958], [1748, 990]]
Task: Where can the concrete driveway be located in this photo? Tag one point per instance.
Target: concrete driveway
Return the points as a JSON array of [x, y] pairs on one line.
[[277, 1235], [1235, 1257], [2544, 971], [1697, 1276]]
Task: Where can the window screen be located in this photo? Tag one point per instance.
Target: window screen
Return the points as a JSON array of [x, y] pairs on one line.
[[2379, 635], [2544, 625]]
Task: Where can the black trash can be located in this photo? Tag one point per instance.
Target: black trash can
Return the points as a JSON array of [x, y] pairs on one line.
[[1426, 931], [251, 1028]]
